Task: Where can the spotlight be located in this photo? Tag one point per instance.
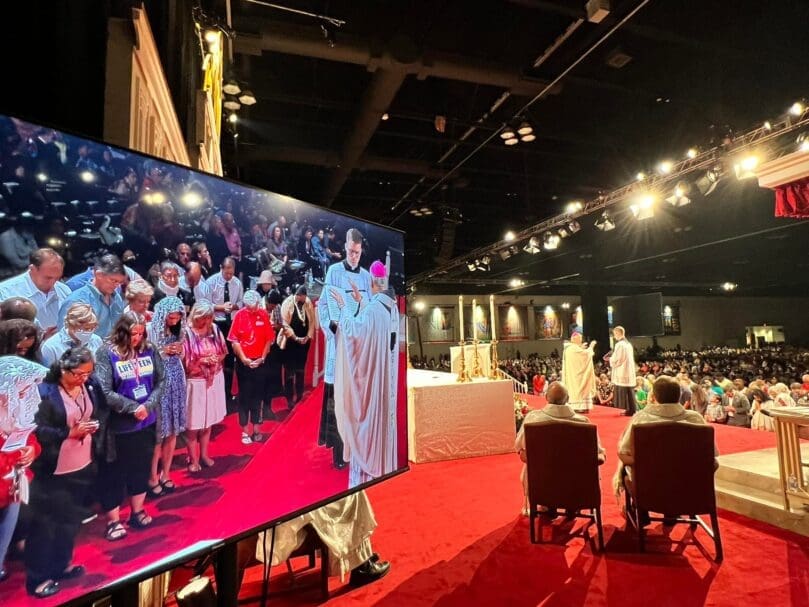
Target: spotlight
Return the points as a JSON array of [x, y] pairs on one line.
[[640, 176], [42, 177], [767, 125], [525, 128], [231, 87], [247, 98], [605, 223], [516, 282], [745, 168], [565, 305], [192, 199], [154, 197], [509, 236], [563, 233], [643, 207], [233, 118], [691, 153], [729, 286], [550, 241], [528, 138], [472, 265], [574, 226], [708, 182], [419, 306], [573, 207], [385, 116], [512, 141], [231, 104], [532, 246], [665, 167], [508, 133], [680, 196], [211, 36], [797, 108], [803, 142], [87, 176]]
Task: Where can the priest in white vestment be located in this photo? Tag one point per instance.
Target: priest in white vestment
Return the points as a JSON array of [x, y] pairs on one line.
[[366, 380], [578, 374], [345, 526]]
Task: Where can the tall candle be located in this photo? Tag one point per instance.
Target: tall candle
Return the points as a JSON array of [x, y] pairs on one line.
[[474, 323], [460, 313], [491, 310]]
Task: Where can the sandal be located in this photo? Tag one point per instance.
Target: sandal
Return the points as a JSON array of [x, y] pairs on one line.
[[46, 589], [140, 520], [193, 468], [155, 491], [246, 440], [73, 572], [258, 437], [168, 486], [115, 531]]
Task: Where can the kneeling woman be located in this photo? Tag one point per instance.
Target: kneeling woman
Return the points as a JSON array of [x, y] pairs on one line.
[[70, 428], [131, 372]]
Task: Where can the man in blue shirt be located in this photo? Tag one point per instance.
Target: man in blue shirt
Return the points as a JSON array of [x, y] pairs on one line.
[[101, 293]]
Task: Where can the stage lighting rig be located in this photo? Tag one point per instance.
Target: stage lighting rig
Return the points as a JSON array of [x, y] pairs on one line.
[[605, 223]]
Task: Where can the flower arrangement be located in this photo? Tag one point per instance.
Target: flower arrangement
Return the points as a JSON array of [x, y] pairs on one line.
[[521, 409]]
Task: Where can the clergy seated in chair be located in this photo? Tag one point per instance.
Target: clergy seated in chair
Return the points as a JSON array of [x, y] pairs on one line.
[[344, 527], [556, 411], [685, 480]]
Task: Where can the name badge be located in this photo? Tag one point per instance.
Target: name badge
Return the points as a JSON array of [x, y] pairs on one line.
[[139, 392]]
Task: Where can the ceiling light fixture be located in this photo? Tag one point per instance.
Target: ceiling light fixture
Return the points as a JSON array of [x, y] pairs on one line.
[[797, 108], [247, 98], [231, 87], [640, 176], [605, 223], [573, 207], [385, 116], [691, 153], [532, 246], [516, 282], [231, 104], [525, 128], [665, 167], [509, 236], [643, 207], [729, 286], [679, 197], [528, 138], [745, 168], [550, 241], [233, 118], [508, 133], [512, 141], [708, 182]]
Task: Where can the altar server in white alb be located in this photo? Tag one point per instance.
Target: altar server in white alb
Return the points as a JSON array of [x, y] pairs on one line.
[[340, 276], [366, 373], [578, 374]]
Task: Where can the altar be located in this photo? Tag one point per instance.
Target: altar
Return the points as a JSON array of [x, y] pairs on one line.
[[451, 420], [469, 355]]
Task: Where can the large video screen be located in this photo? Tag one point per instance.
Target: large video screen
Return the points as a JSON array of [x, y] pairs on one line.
[[639, 315], [332, 417]]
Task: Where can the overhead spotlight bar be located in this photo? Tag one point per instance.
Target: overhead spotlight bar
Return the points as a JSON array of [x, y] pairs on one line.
[[705, 171]]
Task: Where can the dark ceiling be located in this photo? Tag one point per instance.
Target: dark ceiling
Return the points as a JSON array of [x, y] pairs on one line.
[[316, 131]]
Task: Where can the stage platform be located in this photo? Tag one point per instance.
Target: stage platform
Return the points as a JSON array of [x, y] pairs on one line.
[[451, 420], [747, 483]]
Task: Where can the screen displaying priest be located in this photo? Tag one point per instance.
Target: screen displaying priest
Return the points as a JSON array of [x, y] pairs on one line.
[[366, 378]]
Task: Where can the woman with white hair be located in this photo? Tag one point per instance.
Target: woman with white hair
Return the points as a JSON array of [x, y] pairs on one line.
[[251, 336], [79, 330], [19, 401], [204, 352], [139, 295]]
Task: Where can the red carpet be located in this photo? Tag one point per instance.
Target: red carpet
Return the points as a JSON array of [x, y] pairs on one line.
[[454, 535]]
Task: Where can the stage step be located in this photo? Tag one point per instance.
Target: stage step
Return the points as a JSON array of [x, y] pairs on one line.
[[760, 505]]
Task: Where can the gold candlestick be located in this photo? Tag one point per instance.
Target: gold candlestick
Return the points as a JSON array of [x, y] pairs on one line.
[[494, 362], [476, 370], [463, 376]]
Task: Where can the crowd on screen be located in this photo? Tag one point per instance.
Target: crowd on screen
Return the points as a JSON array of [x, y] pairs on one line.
[[144, 328], [734, 386]]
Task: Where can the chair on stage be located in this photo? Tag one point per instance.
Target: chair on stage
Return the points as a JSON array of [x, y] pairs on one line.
[[562, 469], [673, 474]]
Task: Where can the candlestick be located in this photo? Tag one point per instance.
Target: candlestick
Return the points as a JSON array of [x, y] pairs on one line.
[[477, 371], [474, 323], [491, 310], [460, 313], [463, 376], [494, 362]]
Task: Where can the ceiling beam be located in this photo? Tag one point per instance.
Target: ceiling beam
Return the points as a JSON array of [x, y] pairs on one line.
[[308, 42]]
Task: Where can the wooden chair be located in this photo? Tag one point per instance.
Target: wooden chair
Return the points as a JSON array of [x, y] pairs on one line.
[[563, 471], [673, 474]]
